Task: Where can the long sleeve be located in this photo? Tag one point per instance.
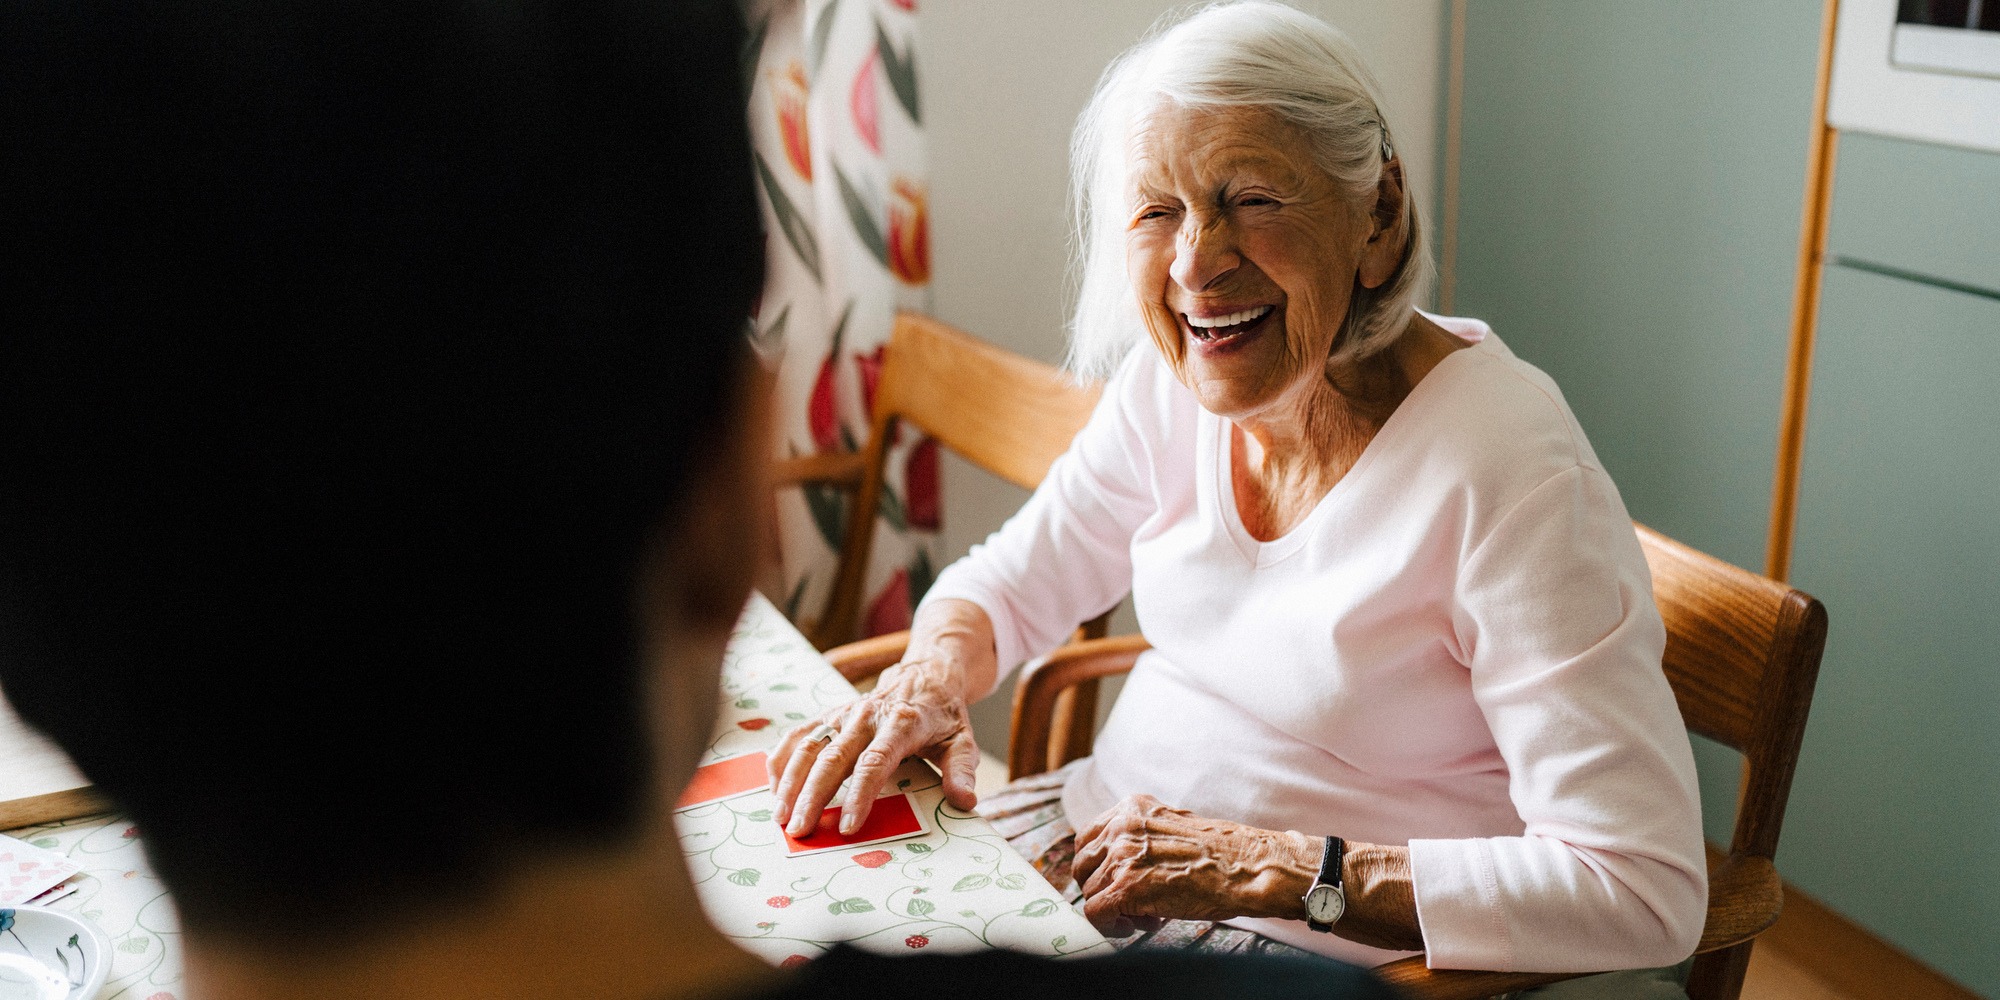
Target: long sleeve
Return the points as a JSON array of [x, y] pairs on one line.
[[1065, 557], [1556, 622]]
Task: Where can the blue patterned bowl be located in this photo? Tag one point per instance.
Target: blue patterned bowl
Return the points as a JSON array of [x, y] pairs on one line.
[[50, 955]]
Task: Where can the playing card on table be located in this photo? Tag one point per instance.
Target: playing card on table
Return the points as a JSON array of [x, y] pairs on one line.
[[725, 779], [895, 817], [27, 871]]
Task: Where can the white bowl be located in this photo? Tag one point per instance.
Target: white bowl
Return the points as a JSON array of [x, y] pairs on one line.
[[50, 955]]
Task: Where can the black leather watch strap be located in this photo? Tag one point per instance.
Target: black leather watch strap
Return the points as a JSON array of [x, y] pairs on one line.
[[1330, 864]]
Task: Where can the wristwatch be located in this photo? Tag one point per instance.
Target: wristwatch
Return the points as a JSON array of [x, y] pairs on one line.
[[1327, 899]]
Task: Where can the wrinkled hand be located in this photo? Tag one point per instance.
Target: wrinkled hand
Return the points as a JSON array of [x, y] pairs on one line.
[[918, 709], [1143, 861]]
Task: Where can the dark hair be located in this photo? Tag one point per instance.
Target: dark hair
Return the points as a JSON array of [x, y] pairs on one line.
[[353, 356]]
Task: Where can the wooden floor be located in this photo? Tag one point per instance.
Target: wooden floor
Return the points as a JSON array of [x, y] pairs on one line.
[[1773, 976], [1813, 953]]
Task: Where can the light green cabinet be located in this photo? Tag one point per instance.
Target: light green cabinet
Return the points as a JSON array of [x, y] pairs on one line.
[[1929, 212], [1895, 814]]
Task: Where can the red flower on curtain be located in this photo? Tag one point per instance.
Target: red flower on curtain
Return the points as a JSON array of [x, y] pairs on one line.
[[890, 610], [909, 232], [823, 407], [821, 415], [789, 94], [920, 485], [861, 103], [870, 367]]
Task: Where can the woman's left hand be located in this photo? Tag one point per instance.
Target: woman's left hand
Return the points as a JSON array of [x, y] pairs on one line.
[[1143, 861]]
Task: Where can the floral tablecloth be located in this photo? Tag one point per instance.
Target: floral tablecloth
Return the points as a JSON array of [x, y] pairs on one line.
[[118, 892], [957, 888]]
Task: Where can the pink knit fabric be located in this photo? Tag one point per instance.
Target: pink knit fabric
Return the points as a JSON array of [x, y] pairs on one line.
[[1457, 649]]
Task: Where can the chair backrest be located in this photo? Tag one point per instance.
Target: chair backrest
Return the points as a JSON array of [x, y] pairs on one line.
[[1742, 655], [1007, 414]]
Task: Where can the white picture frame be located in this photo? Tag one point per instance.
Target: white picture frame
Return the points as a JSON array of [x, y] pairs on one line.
[[1870, 92]]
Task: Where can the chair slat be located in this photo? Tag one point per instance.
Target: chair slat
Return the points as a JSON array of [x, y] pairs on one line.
[[1722, 621], [1010, 415]]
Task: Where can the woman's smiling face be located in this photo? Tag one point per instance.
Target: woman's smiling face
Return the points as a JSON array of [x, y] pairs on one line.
[[1242, 252]]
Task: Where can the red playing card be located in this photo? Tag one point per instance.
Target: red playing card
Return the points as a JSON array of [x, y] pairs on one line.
[[725, 779], [893, 818]]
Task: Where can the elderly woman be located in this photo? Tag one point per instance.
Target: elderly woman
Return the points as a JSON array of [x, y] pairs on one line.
[[1405, 687]]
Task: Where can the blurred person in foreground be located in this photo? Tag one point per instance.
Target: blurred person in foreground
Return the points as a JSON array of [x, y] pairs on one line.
[[381, 449]]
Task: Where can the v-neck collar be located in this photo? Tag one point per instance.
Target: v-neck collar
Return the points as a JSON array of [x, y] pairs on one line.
[[1222, 485]]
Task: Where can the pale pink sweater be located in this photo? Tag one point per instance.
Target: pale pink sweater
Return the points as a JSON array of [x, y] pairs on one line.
[[1457, 650]]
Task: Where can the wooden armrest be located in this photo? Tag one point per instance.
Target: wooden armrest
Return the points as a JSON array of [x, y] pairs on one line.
[[1044, 681], [1744, 898], [858, 661], [843, 467]]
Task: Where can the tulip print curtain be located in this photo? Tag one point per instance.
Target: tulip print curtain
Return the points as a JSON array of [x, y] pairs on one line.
[[837, 124]]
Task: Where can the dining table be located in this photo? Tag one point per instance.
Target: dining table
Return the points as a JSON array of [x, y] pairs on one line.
[[954, 887]]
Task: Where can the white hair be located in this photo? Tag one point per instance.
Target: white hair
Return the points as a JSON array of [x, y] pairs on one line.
[[1254, 53]]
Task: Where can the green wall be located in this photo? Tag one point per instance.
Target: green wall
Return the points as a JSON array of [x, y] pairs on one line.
[[1630, 186]]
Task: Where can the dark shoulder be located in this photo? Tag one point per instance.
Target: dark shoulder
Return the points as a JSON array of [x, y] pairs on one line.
[[1000, 975]]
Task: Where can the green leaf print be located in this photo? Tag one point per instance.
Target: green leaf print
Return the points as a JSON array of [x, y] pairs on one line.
[[745, 876], [920, 848], [822, 31], [771, 339], [971, 882], [1039, 908], [862, 219], [921, 907], [853, 904], [798, 594], [901, 69], [921, 575], [1012, 881], [752, 48], [828, 506], [797, 231]]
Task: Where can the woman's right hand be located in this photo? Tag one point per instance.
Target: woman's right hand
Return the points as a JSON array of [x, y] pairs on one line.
[[918, 708]]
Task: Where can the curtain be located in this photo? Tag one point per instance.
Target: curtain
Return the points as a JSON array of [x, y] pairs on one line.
[[838, 128]]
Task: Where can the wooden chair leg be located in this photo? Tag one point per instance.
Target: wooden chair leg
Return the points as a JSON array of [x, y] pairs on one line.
[[1718, 975], [1073, 727], [1098, 627]]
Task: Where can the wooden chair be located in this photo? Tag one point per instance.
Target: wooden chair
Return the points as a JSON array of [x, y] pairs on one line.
[[1742, 656], [1007, 414]]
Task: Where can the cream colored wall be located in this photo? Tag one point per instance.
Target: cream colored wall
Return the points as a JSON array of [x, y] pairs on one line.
[[1002, 84]]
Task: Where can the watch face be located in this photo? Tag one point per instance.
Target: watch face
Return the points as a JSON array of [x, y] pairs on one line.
[[1325, 903]]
